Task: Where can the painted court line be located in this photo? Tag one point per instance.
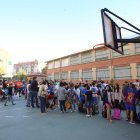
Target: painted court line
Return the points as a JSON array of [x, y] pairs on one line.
[[26, 116], [9, 116], [12, 109]]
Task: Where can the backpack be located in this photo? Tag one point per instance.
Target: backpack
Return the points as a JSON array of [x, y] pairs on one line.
[[138, 118], [89, 96], [104, 112], [117, 114]]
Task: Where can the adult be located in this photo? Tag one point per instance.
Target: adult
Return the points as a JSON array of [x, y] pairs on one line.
[[28, 93], [43, 93], [18, 86], [34, 91], [10, 92]]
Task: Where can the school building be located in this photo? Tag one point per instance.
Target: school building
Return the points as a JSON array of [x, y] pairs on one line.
[[97, 63]]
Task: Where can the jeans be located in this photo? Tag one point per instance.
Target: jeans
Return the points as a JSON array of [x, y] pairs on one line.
[[42, 104], [34, 98], [72, 102], [10, 98], [62, 105], [28, 99]]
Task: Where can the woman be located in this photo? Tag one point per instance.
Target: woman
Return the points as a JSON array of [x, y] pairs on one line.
[[43, 94], [107, 102], [117, 97], [88, 101], [28, 93]]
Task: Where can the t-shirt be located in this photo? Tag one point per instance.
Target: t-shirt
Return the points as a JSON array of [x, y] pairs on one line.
[[61, 92], [18, 84], [131, 96], [89, 96], [34, 85]]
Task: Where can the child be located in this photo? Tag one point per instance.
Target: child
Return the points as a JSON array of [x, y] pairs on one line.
[[88, 101]]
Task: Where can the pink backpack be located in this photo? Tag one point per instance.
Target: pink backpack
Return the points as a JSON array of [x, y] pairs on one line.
[[117, 114]]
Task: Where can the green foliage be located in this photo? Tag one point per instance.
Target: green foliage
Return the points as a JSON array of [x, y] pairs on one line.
[[20, 75], [44, 70]]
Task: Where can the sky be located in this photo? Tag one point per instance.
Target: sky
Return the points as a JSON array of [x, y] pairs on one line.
[[48, 29]]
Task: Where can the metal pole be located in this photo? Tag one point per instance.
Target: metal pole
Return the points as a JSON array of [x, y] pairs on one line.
[[105, 9]]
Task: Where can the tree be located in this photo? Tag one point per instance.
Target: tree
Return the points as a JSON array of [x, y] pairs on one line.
[[20, 75], [44, 70]]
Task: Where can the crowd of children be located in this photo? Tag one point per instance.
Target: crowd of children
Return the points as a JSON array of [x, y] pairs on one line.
[[90, 98]]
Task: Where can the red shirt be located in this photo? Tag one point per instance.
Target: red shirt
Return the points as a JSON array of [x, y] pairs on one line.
[[18, 84]]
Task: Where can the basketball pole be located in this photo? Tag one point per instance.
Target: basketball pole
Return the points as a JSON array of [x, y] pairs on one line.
[[117, 39], [105, 9]]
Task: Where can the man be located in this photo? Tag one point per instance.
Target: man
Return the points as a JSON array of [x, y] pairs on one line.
[[10, 94], [34, 91], [19, 87]]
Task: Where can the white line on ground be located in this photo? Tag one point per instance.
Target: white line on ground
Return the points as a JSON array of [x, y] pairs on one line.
[[12, 109], [9, 116], [26, 116]]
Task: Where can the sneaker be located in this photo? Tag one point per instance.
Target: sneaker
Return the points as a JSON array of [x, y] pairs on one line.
[[5, 105], [132, 122], [127, 119], [14, 104], [87, 115]]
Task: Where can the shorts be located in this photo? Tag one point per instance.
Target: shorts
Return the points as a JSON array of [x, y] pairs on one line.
[[107, 105], [88, 104], [130, 107]]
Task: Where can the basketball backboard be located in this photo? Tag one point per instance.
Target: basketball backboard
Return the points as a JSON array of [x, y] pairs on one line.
[[111, 32]]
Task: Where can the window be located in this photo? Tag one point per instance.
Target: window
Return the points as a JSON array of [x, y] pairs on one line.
[[50, 65], [28, 69], [35, 68], [57, 64], [87, 74], [74, 60], [86, 57], [122, 72], [137, 48], [101, 54], [64, 75], [116, 54], [65, 62], [50, 77], [138, 71], [56, 76], [102, 74], [74, 75]]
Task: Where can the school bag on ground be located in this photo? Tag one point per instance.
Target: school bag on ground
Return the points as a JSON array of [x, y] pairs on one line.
[[104, 112], [117, 114]]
